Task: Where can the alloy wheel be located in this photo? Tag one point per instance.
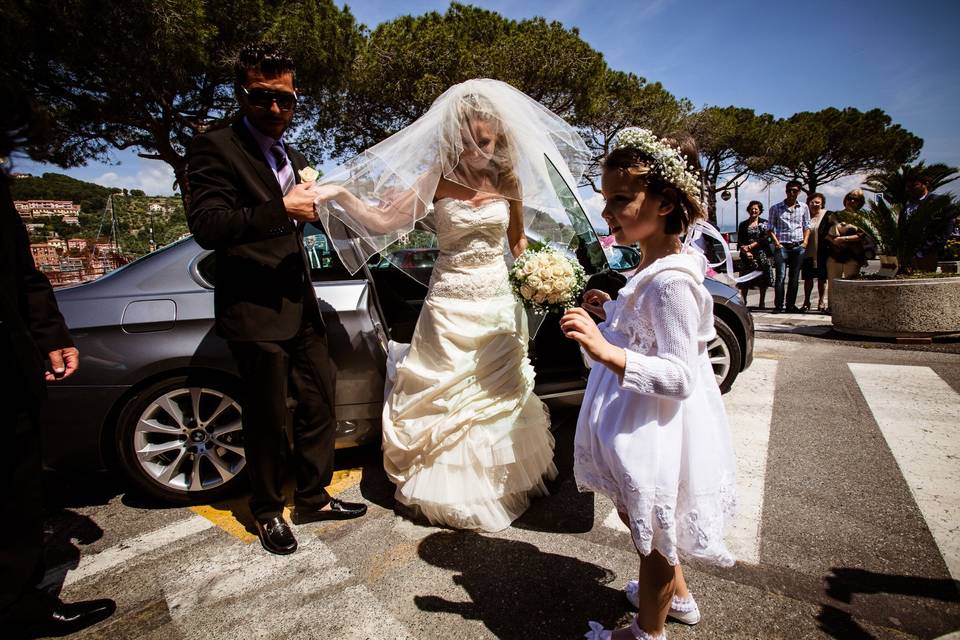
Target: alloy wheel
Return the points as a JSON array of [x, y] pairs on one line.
[[190, 439]]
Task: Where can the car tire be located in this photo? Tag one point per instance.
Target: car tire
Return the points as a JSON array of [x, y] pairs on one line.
[[725, 355], [174, 455]]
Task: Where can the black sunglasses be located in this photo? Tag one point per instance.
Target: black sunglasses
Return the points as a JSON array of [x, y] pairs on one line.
[[264, 98]]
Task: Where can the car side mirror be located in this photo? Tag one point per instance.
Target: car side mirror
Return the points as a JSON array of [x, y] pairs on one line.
[[623, 258]]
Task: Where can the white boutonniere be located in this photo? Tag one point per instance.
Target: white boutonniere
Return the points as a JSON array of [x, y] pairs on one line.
[[308, 174]]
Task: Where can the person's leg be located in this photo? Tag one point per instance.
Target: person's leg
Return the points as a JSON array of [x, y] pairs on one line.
[[763, 298], [657, 586], [743, 294], [780, 266], [263, 370], [794, 258], [851, 269], [807, 269], [834, 271], [314, 424], [21, 546], [821, 288]]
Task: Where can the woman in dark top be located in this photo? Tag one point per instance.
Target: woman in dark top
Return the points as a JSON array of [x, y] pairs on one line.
[[754, 242]]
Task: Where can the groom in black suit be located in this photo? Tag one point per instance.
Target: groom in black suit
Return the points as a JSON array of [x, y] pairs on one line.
[[248, 203]]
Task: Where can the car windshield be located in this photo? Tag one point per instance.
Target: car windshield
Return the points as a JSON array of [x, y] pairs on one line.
[[571, 231]]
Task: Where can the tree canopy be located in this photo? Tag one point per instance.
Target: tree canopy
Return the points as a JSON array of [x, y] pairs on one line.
[[819, 147], [149, 75], [733, 142], [620, 100], [404, 64]]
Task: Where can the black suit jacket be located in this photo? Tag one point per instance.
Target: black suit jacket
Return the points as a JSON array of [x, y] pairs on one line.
[[32, 323], [262, 288]]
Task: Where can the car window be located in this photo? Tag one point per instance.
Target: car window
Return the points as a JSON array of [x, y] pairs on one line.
[[324, 262], [570, 229]]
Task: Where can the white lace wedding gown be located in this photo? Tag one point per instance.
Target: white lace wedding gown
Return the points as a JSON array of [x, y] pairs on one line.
[[465, 439]]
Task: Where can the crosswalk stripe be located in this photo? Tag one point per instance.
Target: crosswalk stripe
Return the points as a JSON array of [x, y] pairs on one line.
[[128, 549], [238, 590], [750, 412], [919, 416]]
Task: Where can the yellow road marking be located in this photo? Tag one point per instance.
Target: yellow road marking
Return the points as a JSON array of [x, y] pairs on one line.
[[224, 514]]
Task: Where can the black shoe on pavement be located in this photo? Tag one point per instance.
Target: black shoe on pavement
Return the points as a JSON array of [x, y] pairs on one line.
[[339, 510], [69, 617], [276, 536], [776, 310], [793, 310]]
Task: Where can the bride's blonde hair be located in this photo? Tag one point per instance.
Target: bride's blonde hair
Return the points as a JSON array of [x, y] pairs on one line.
[[473, 108]]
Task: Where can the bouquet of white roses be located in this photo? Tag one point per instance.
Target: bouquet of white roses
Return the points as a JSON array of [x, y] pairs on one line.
[[545, 280]]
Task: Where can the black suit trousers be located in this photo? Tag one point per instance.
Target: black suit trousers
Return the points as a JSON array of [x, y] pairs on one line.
[[270, 372], [21, 541]]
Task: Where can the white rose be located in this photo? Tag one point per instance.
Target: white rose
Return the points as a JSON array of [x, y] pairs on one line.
[[309, 174], [553, 298], [534, 281], [539, 298], [526, 291]]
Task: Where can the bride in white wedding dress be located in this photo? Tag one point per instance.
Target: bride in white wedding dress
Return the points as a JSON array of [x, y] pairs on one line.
[[465, 439]]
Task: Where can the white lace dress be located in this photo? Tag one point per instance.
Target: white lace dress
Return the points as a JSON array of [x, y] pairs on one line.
[[465, 439], [657, 442]]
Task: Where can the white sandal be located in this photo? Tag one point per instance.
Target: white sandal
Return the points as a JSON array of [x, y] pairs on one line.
[[683, 610], [597, 632]]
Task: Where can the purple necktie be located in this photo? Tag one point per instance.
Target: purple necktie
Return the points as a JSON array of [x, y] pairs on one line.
[[284, 170]]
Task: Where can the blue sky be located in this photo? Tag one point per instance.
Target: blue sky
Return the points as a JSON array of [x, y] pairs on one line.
[[902, 57]]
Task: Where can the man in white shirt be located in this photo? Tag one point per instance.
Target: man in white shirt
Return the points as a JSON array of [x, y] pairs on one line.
[[789, 225]]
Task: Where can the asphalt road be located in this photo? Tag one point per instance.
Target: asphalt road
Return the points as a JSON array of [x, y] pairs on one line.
[[849, 472]]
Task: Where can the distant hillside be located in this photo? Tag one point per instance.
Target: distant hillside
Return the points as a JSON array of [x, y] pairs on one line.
[[137, 214], [54, 186]]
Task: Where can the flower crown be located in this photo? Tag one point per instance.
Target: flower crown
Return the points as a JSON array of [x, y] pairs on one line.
[[668, 163]]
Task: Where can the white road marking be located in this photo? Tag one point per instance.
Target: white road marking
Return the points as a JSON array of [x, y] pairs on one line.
[[919, 415], [613, 521], [749, 407], [128, 549], [239, 590]]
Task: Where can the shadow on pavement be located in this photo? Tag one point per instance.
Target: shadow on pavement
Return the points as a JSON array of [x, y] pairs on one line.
[[565, 510], [843, 583], [63, 533], [518, 591]]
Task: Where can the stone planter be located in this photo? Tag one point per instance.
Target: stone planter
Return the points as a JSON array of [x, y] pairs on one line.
[[896, 308]]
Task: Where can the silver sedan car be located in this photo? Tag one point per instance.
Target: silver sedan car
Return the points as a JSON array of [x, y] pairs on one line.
[[156, 395]]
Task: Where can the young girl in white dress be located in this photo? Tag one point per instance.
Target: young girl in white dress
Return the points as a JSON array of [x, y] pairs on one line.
[[652, 433]]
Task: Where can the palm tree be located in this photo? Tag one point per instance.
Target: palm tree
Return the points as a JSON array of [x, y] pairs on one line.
[[900, 235], [893, 184]]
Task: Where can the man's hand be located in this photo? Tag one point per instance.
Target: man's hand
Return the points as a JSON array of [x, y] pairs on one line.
[[64, 363], [299, 202]]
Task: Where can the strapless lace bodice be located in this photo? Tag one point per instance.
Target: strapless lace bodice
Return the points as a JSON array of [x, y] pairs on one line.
[[471, 264]]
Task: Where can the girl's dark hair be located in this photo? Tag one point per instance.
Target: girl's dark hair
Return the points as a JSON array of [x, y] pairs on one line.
[[268, 58], [686, 210], [755, 202]]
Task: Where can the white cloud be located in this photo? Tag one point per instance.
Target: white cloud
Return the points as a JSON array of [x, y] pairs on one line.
[[154, 180], [593, 202]]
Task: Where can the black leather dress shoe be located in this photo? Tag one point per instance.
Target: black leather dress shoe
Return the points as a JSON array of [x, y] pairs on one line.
[[66, 618], [275, 536], [339, 510]]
